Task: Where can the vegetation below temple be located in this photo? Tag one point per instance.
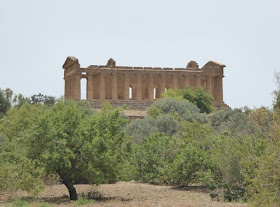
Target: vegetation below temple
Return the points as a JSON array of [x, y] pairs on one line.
[[233, 152]]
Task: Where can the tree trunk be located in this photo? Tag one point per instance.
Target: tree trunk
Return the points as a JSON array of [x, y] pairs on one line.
[[71, 189]]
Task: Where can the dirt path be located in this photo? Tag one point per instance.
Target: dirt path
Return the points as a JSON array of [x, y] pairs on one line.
[[127, 194]]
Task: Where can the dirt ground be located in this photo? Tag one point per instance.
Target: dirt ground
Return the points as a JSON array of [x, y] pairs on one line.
[[124, 194]]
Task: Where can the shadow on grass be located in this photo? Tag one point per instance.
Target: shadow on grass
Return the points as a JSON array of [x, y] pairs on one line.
[[92, 195]]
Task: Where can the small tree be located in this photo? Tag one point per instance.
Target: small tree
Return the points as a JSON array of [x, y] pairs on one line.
[[42, 99], [79, 146]]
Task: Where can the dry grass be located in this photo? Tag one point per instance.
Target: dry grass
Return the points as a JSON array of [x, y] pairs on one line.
[[124, 194]]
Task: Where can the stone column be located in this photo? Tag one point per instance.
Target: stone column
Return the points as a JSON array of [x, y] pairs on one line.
[[204, 83], [219, 82], [162, 84], [139, 87], [68, 92], [72, 87], [69, 88], [114, 87], [187, 81], [126, 86], [74, 91], [78, 87], [198, 81], [65, 88], [175, 81], [209, 85], [102, 86], [89, 87], [151, 87]]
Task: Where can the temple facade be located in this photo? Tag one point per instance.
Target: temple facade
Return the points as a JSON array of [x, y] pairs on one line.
[[139, 87]]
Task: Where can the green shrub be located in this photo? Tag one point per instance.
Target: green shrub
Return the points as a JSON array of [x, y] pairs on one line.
[[191, 165], [151, 156], [261, 120], [192, 162], [197, 96], [234, 192], [44, 204], [181, 109], [142, 128], [83, 201], [262, 175], [20, 202], [235, 121]]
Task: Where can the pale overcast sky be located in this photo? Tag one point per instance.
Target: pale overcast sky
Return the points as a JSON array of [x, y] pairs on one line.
[[37, 36]]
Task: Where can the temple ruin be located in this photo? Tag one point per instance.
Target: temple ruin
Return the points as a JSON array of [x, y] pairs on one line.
[[139, 87]]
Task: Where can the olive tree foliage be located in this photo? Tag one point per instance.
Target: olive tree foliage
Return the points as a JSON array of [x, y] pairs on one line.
[[192, 162], [183, 109], [276, 92], [5, 101], [264, 183], [78, 146], [151, 156], [165, 116], [262, 170], [42, 99], [16, 170], [197, 96], [142, 128], [261, 120], [8, 100], [234, 120], [182, 160]]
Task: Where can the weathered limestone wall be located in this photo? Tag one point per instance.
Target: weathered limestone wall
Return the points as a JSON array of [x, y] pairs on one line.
[[122, 84]]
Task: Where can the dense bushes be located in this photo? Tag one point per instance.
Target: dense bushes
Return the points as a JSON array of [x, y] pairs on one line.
[[167, 116], [152, 156], [235, 121]]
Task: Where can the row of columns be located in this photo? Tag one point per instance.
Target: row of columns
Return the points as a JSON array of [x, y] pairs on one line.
[[213, 86]]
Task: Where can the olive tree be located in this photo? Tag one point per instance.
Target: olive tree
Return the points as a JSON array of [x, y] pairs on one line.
[[78, 145]]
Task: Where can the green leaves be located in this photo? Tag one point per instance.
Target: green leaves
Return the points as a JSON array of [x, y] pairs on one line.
[[197, 96], [5, 101], [17, 171], [152, 156], [67, 139]]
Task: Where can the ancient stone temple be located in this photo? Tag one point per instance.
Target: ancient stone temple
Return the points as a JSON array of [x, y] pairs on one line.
[[139, 87]]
